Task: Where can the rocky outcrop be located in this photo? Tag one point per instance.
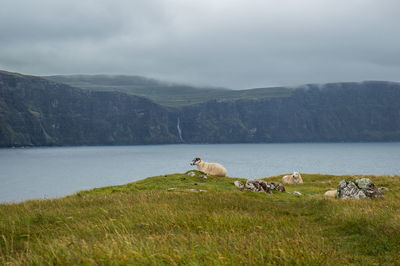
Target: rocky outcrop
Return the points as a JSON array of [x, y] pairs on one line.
[[362, 188], [260, 186], [238, 184], [277, 186], [369, 188]]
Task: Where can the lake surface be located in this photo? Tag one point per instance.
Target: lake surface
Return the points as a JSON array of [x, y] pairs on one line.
[[52, 172]]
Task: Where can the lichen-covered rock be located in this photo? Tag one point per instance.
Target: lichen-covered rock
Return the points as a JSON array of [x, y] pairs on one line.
[[362, 188], [369, 188], [294, 178], [349, 190], [258, 185], [238, 184], [277, 186]]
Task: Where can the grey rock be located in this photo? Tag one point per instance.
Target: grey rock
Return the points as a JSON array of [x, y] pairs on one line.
[[369, 188], [277, 186], [204, 177], [383, 189], [238, 184], [171, 188], [258, 186], [297, 193], [191, 174], [349, 190]]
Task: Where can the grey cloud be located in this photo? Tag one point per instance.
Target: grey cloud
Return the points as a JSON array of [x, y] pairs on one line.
[[237, 44]]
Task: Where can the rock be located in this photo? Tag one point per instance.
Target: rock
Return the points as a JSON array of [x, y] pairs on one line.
[[383, 189], [277, 186], [191, 174], [238, 184], [258, 185], [171, 188], [369, 188], [204, 177], [297, 193], [331, 193], [294, 178], [348, 190]]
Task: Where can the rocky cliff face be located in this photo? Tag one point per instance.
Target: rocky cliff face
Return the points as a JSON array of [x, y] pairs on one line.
[[368, 111], [35, 111]]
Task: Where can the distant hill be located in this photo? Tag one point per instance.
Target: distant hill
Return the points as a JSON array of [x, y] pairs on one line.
[[35, 111], [164, 93]]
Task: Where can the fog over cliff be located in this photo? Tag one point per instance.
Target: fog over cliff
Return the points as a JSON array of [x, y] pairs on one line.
[[236, 44]]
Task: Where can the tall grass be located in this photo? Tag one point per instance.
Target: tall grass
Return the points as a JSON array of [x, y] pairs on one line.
[[143, 223]]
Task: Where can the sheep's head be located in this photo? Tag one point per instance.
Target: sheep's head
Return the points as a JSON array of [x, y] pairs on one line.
[[195, 161]]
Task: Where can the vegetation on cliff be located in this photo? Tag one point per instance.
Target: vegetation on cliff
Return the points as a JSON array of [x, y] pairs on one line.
[[36, 112], [144, 223]]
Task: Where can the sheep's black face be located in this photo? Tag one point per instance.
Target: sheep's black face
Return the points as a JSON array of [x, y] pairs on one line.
[[195, 161]]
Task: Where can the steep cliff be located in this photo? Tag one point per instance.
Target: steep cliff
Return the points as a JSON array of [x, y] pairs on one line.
[[35, 111], [367, 111]]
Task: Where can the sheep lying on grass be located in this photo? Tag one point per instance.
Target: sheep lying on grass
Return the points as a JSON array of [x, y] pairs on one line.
[[295, 178], [209, 168]]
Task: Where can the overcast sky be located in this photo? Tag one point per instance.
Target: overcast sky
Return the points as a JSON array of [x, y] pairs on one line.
[[235, 44]]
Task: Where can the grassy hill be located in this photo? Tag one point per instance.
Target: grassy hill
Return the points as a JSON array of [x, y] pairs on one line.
[[145, 223], [167, 94]]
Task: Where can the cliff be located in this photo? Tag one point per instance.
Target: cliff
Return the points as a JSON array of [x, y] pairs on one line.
[[38, 112]]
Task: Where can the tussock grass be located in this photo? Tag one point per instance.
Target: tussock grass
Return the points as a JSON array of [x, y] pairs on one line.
[[143, 223]]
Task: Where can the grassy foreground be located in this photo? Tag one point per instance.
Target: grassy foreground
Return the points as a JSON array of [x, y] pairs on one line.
[[144, 223]]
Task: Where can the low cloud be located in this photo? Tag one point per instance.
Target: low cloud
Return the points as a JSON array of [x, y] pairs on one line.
[[236, 44]]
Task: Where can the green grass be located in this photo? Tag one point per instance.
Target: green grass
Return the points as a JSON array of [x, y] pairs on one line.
[[167, 94], [144, 223]]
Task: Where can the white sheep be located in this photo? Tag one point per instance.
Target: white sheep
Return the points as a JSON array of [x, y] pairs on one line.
[[294, 178], [209, 168]]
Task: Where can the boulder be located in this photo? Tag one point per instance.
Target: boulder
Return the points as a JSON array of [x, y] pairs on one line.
[[238, 184], [331, 193], [369, 188], [277, 186], [349, 190], [258, 186], [191, 174], [294, 178]]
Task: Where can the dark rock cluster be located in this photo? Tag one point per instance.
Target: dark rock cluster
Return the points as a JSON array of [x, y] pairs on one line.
[[260, 186]]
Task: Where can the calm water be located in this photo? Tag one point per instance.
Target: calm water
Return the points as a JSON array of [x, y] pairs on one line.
[[52, 172]]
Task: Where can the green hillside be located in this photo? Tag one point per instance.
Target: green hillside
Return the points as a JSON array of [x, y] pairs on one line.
[[145, 223], [168, 94]]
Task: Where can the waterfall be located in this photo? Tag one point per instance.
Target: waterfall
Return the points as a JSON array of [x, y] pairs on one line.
[[179, 129]]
